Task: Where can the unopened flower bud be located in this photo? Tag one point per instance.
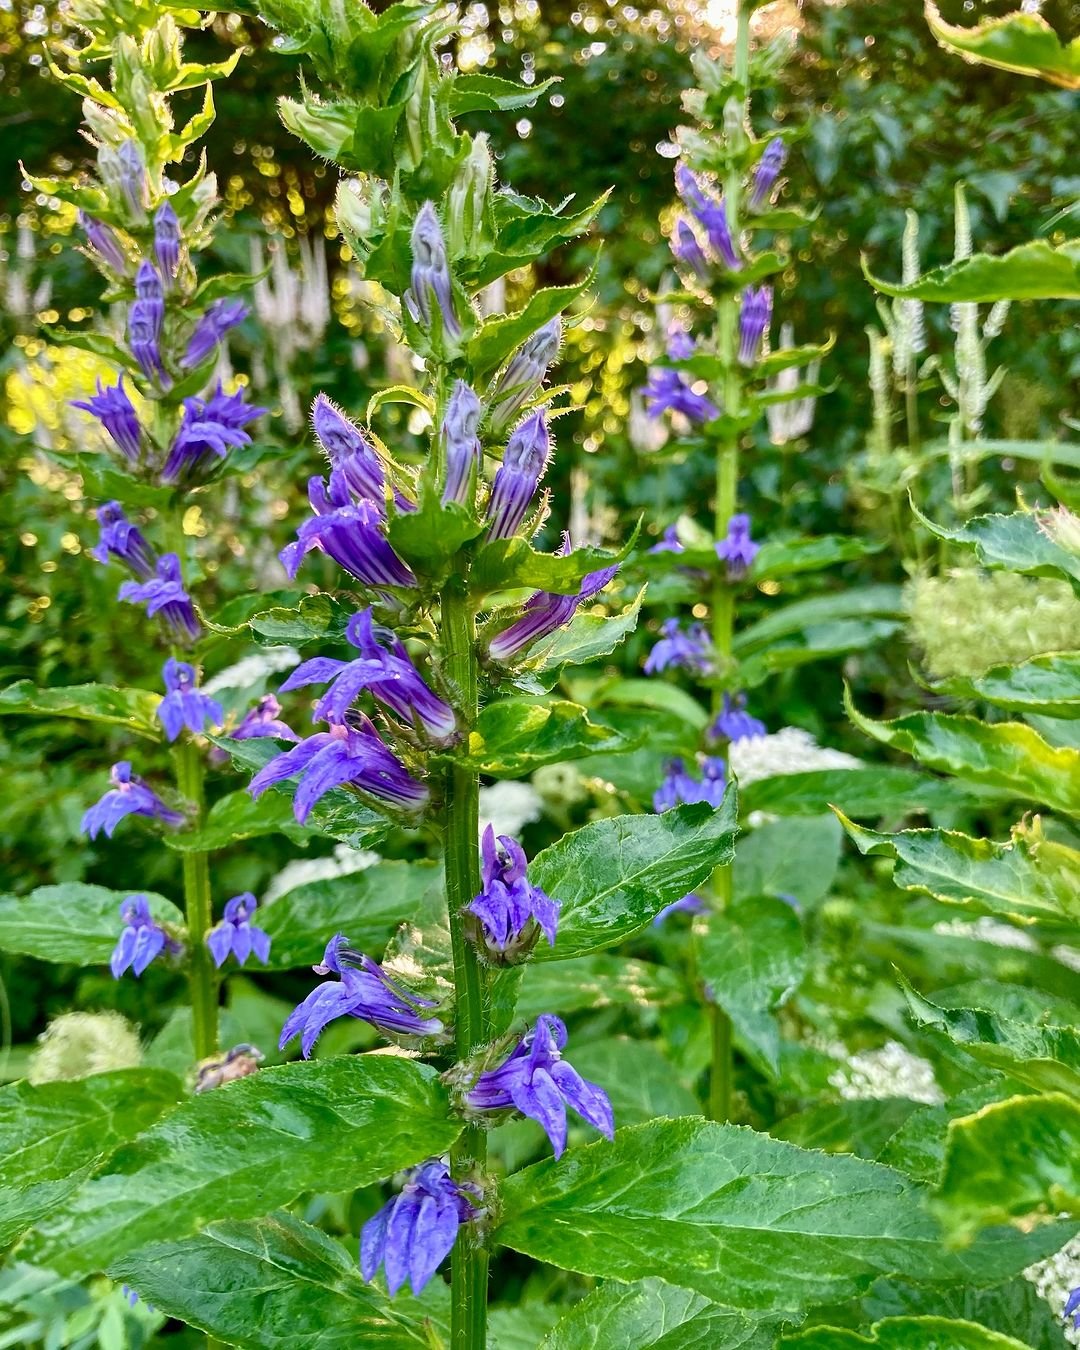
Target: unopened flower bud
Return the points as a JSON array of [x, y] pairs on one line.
[[468, 201], [461, 445], [524, 375], [167, 240], [360, 212], [124, 174], [768, 170], [104, 242], [524, 462], [754, 316], [431, 289]]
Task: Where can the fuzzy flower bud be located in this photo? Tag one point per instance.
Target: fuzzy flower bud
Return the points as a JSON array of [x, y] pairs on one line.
[[78, 1044], [167, 240], [430, 288], [124, 174], [524, 375], [754, 315], [461, 445], [524, 461], [104, 242], [468, 201], [767, 172]]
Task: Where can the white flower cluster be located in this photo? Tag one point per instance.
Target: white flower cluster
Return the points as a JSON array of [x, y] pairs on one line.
[[252, 669], [509, 807], [891, 1071], [791, 750], [1055, 1279], [78, 1044], [988, 930], [303, 871]]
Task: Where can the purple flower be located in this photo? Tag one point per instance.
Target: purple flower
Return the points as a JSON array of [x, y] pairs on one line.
[[680, 788], [461, 445], [362, 990], [670, 391], [430, 286], [535, 1080], [416, 1230], [141, 939], [237, 934], [768, 169], [543, 613], [164, 594], [344, 754], [733, 722], [131, 178], [754, 316], [385, 668], [262, 721], [711, 214], [183, 704], [167, 240], [350, 453], [128, 796], [686, 249], [220, 316], [688, 188], [689, 904], [104, 242], [524, 461], [689, 650], [509, 914], [122, 540], [524, 375], [737, 549], [668, 542], [209, 429], [116, 413], [680, 345], [352, 534], [145, 318], [1072, 1308]]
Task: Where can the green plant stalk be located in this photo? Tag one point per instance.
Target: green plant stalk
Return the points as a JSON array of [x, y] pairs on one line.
[[469, 1261]]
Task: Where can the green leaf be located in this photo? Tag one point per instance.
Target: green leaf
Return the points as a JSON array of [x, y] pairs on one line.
[[653, 694], [1033, 271], [876, 790], [1005, 755], [595, 982], [1014, 543], [367, 906], [526, 234], [72, 922], [735, 1215], [585, 638], [787, 557], [1046, 1058], [515, 736], [317, 618], [1047, 685], [1010, 1161], [797, 857], [1023, 43], [856, 602], [505, 563], [133, 709], [614, 876], [502, 334], [863, 1126], [235, 817], [641, 1083], [269, 1284], [906, 1333], [430, 536], [247, 1148], [1023, 879], [53, 1134], [1015, 1308], [752, 958], [477, 92], [653, 1315], [918, 1147]]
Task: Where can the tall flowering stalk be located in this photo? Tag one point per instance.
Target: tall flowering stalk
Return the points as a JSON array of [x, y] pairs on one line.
[[168, 425]]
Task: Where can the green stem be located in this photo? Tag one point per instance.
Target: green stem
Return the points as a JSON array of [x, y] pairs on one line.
[[469, 1262], [198, 908]]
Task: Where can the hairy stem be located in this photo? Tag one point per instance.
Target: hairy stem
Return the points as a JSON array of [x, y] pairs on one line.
[[202, 976], [469, 1262]]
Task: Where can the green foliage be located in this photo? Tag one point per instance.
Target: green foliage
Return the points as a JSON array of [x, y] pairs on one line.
[[72, 922], [1020, 42]]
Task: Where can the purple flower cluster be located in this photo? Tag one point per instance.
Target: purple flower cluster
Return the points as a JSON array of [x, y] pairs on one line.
[[128, 796], [668, 542], [733, 722], [415, 1231], [184, 705], [237, 934], [163, 593], [116, 413], [510, 913], [681, 788], [209, 429], [669, 390], [122, 540], [263, 722], [679, 649], [710, 213], [141, 938], [737, 549]]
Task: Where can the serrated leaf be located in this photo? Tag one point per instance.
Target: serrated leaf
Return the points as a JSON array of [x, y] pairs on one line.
[[515, 736], [505, 563], [1021, 42], [873, 790], [857, 602], [861, 1126], [317, 618], [525, 235], [614, 876], [595, 982], [247, 1148], [133, 709], [1009, 756], [235, 817], [430, 536], [479, 92], [1033, 271], [502, 334], [1015, 1307], [53, 1134], [585, 638], [1018, 879], [71, 922], [736, 1215], [906, 1333], [1048, 685], [1015, 543]]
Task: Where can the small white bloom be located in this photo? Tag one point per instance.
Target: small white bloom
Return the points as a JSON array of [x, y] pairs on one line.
[[509, 807], [1055, 1279], [891, 1071], [303, 871], [989, 930], [790, 750], [252, 669]]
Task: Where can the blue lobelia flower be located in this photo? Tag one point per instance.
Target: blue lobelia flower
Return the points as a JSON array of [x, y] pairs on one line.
[[130, 176], [755, 312], [104, 242], [183, 704], [350, 452], [767, 172], [686, 249], [415, 1231], [524, 375], [733, 722], [543, 613], [128, 796], [679, 650], [263, 722], [122, 540], [737, 549], [209, 429], [385, 668], [711, 214], [668, 542], [145, 318], [524, 461], [1072, 1308], [688, 904], [164, 594], [535, 1080], [430, 288], [364, 990], [461, 446], [679, 344], [116, 413], [237, 934], [167, 240], [141, 939], [680, 788], [352, 754], [509, 913], [669, 390], [352, 533], [220, 316]]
